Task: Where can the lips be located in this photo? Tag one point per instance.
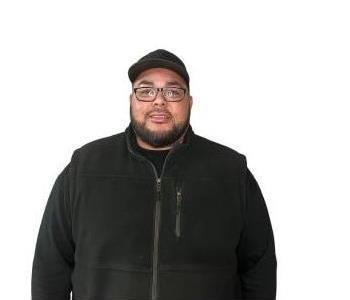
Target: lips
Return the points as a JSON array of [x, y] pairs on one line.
[[159, 117], [158, 114]]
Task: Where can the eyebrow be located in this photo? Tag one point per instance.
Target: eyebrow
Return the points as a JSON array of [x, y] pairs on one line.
[[174, 82], [146, 82], [168, 83]]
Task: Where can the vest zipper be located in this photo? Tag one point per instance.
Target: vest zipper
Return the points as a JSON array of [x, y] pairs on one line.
[[157, 214], [155, 266], [178, 212], [156, 241]]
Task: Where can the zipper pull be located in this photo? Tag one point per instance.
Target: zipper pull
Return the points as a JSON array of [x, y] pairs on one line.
[[179, 198], [158, 184]]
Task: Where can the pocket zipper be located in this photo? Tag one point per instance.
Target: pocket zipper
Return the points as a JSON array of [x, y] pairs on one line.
[[178, 212]]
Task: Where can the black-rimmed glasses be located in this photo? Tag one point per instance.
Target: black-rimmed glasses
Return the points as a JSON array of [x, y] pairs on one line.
[[149, 94]]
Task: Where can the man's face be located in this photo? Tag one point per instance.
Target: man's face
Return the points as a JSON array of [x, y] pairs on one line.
[[156, 131]]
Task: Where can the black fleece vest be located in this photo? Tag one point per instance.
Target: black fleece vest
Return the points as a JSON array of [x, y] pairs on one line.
[[115, 228]]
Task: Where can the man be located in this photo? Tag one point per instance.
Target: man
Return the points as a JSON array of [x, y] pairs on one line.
[[156, 211]]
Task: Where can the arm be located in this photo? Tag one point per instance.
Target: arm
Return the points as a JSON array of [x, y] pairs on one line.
[[54, 253], [257, 262]]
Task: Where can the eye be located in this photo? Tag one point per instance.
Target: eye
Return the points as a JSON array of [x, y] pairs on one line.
[[146, 92], [173, 92], [169, 93], [151, 92]]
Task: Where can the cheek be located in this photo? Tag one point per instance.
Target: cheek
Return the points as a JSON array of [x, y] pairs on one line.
[[180, 114], [139, 110]]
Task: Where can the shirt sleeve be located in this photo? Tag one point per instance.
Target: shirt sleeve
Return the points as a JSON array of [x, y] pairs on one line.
[[257, 262], [54, 252]]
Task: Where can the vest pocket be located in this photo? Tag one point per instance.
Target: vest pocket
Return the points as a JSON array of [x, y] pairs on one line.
[[178, 211]]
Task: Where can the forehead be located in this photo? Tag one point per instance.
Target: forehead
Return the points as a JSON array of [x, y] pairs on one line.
[[159, 75]]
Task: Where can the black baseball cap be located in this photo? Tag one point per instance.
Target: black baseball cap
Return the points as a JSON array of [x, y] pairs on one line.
[[159, 58]]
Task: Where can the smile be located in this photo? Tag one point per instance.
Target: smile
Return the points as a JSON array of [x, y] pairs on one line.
[[159, 118]]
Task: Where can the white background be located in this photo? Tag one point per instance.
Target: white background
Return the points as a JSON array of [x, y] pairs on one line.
[[269, 79]]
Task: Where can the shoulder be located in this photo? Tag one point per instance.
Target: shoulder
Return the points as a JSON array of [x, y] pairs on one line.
[[103, 148], [102, 143], [210, 147], [217, 158]]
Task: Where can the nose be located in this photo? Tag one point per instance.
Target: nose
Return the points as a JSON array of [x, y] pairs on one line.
[[160, 100]]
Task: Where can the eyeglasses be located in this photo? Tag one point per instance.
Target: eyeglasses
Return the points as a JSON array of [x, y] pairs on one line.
[[149, 94]]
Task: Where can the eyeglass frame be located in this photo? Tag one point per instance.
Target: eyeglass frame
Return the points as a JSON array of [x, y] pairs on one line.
[[160, 89]]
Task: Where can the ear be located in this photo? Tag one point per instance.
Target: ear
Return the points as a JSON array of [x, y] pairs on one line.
[[130, 98], [191, 101]]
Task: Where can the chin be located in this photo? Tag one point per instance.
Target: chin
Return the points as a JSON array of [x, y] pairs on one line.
[[160, 128], [152, 124]]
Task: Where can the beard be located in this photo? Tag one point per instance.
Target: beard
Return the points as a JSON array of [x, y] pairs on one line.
[[159, 139]]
